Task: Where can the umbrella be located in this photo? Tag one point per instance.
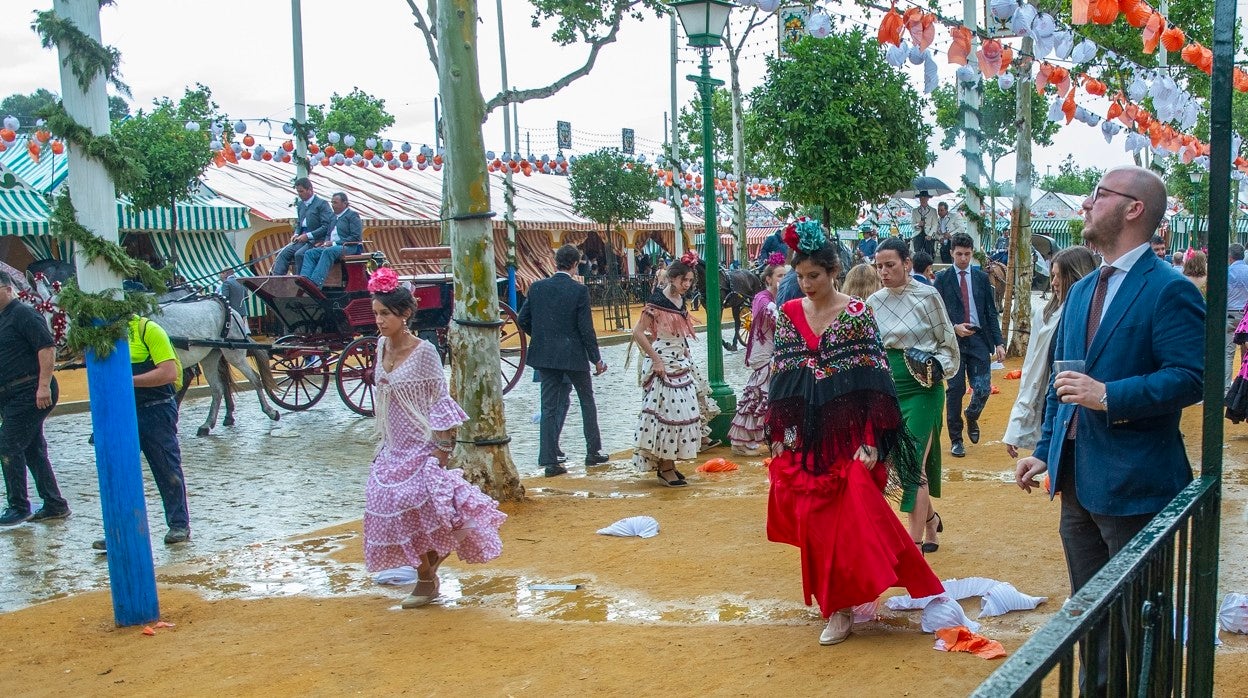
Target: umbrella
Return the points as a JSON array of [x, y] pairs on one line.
[[931, 185]]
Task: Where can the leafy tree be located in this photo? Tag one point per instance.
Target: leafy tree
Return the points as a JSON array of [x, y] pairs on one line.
[[839, 125], [998, 119], [608, 188], [690, 125], [26, 107], [173, 156], [356, 113], [1073, 179]]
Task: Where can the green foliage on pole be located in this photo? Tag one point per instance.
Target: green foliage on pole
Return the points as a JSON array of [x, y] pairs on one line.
[[998, 120], [26, 107], [356, 113], [1073, 179], [838, 125], [609, 188], [173, 157]]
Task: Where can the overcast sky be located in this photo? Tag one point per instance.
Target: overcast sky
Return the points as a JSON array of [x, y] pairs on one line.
[[243, 52]]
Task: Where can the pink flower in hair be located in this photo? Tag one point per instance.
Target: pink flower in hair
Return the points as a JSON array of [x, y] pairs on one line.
[[776, 259], [384, 280]]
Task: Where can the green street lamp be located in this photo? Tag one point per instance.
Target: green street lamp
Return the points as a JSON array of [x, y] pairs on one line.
[[704, 22], [1199, 238]]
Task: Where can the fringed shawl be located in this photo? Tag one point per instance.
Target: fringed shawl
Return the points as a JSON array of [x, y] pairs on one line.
[[666, 319], [762, 321], [828, 401]]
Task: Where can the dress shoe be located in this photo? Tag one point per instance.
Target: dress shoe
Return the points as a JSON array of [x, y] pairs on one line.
[[958, 450], [425, 592], [838, 628], [177, 535], [972, 429], [596, 459], [13, 516], [47, 513], [555, 470]]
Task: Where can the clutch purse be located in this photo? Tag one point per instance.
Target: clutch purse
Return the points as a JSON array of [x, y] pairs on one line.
[[924, 367]]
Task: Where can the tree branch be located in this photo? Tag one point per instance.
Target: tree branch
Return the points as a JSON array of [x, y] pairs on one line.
[[753, 24], [430, 34], [595, 45]]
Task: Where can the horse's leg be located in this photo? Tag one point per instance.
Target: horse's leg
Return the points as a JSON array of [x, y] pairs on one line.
[[238, 359], [211, 371], [227, 386]]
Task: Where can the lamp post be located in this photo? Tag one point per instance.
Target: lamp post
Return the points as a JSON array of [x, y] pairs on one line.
[[704, 22], [1197, 177]]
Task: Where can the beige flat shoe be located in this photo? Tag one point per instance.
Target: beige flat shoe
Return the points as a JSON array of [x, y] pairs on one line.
[[838, 628], [425, 592]]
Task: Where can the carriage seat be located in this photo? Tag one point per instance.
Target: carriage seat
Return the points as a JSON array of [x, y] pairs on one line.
[[340, 275]]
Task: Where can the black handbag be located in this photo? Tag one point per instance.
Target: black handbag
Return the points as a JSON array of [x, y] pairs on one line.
[[924, 367]]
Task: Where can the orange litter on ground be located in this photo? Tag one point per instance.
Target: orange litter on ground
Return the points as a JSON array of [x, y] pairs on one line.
[[1014, 375], [717, 465], [960, 639]]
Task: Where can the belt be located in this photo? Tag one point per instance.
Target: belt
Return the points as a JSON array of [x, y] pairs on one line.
[[151, 403], [18, 383]]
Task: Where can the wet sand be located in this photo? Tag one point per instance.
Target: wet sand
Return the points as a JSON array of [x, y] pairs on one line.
[[707, 606]]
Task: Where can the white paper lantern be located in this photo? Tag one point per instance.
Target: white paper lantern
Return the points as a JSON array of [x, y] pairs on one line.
[[1109, 129], [11, 123], [407, 148], [1005, 81], [767, 5], [237, 148], [1063, 42], [370, 143], [1004, 9], [916, 55], [339, 158], [896, 55], [968, 75], [348, 140], [334, 137], [931, 75], [214, 144], [819, 24], [1043, 26], [240, 127], [288, 128], [1084, 52], [1137, 89], [192, 126], [1022, 20], [387, 145]]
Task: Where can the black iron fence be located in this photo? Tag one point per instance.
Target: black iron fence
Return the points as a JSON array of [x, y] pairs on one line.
[[1155, 606]]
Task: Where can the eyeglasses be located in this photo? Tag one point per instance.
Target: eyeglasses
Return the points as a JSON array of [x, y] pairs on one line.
[[1106, 190]]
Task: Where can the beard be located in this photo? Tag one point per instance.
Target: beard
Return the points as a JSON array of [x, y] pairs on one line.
[[1104, 227]]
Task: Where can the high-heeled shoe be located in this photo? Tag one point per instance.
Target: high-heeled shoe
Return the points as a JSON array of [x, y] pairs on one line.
[[425, 592], [940, 528]]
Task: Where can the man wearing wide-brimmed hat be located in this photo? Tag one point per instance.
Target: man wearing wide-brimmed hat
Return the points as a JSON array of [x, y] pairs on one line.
[[926, 222]]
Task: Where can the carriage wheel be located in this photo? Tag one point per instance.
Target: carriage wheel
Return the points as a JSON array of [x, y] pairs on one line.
[[513, 347], [301, 376], [354, 375]]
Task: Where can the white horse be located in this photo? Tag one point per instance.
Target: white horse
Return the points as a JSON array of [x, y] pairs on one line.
[[209, 318]]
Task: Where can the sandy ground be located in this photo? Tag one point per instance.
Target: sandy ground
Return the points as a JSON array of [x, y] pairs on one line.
[[707, 607]]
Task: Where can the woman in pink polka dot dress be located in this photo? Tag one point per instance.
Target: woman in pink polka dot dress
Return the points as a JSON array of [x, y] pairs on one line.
[[416, 510]]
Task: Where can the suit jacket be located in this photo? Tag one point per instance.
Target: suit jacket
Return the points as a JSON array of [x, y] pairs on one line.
[[1130, 459], [318, 214], [349, 227], [556, 316], [988, 338]]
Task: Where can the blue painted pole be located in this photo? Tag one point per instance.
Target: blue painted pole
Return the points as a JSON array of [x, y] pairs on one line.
[[131, 573], [511, 287]]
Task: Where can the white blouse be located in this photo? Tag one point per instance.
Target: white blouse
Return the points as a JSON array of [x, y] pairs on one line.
[[914, 316], [1025, 419]]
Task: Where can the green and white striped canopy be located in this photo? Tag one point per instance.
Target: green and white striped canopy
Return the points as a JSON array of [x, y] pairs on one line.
[[23, 213], [203, 212]]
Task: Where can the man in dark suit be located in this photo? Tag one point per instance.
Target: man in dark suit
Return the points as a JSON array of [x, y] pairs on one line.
[[556, 316], [968, 299], [347, 237], [312, 218], [1111, 439]]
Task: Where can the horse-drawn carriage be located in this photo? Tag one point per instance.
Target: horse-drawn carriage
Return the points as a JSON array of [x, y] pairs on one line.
[[333, 333]]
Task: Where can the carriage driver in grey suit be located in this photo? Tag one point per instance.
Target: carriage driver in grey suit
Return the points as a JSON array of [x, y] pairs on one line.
[[563, 345], [312, 219]]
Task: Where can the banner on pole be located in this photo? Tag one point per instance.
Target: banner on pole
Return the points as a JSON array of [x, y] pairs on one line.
[[628, 140], [564, 129], [791, 25]]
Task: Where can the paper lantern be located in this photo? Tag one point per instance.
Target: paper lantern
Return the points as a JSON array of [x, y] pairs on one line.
[[249, 141], [1004, 9], [348, 140], [349, 152], [57, 147], [191, 126], [387, 156], [368, 153], [7, 135], [240, 127], [1173, 38], [370, 142], [288, 146], [11, 124], [407, 164], [437, 160], [246, 154], [288, 128], [314, 148], [334, 137], [43, 136], [1103, 12], [406, 147]]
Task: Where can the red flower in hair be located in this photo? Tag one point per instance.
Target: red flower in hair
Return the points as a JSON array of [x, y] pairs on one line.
[[689, 258], [790, 236]]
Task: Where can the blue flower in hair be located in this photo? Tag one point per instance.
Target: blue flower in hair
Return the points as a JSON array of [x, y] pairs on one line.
[[810, 236]]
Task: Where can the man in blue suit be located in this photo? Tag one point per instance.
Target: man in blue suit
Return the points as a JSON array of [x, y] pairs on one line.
[[346, 237], [1111, 439], [312, 218], [973, 309], [564, 345]]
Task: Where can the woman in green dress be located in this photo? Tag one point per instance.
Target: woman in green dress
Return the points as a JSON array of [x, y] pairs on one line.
[[912, 316]]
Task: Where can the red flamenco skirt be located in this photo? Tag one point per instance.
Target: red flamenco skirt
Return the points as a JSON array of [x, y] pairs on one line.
[[853, 545]]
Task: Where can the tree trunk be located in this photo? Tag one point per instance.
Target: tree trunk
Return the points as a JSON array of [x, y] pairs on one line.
[[739, 220], [1017, 306], [476, 381]]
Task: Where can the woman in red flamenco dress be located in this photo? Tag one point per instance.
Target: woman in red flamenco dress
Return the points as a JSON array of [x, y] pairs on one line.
[[838, 441]]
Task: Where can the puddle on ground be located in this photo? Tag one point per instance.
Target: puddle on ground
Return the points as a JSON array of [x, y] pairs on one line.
[[583, 494], [257, 571], [979, 476]]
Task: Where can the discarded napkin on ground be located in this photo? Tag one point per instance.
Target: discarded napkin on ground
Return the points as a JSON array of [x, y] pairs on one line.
[[397, 576], [640, 526], [944, 612], [956, 589], [867, 612], [717, 465], [1233, 616], [960, 639], [1003, 598]]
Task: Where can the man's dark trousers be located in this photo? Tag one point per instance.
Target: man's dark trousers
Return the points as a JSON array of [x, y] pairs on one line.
[[556, 388], [158, 439], [978, 370], [22, 446]]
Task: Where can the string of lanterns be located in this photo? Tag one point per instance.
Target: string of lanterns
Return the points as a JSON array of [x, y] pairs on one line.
[[37, 144]]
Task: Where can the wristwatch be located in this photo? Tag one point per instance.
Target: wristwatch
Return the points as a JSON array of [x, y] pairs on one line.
[[1105, 400]]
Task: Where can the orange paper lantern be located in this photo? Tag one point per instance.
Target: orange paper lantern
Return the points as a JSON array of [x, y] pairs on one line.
[[58, 147], [1103, 11], [1152, 32], [1137, 13], [248, 140], [1173, 38], [890, 28]]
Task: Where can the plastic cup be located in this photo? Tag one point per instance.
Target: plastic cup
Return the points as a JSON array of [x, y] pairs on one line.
[[1076, 365]]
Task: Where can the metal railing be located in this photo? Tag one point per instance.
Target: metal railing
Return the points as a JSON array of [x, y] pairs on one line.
[[1145, 603]]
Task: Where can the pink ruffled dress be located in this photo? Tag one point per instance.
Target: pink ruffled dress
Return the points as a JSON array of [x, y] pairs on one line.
[[413, 504], [748, 424]]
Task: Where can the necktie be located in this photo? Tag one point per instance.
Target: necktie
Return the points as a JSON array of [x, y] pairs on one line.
[[1094, 323], [1098, 304], [966, 295]]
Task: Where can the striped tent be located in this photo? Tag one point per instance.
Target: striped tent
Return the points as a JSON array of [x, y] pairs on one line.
[[204, 211], [48, 174], [23, 213]]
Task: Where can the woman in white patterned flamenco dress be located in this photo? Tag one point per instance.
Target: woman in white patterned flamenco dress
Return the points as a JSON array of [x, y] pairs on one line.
[[416, 510]]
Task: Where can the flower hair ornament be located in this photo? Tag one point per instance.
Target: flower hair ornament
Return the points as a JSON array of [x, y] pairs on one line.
[[384, 280], [776, 259], [804, 235], [689, 258]]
